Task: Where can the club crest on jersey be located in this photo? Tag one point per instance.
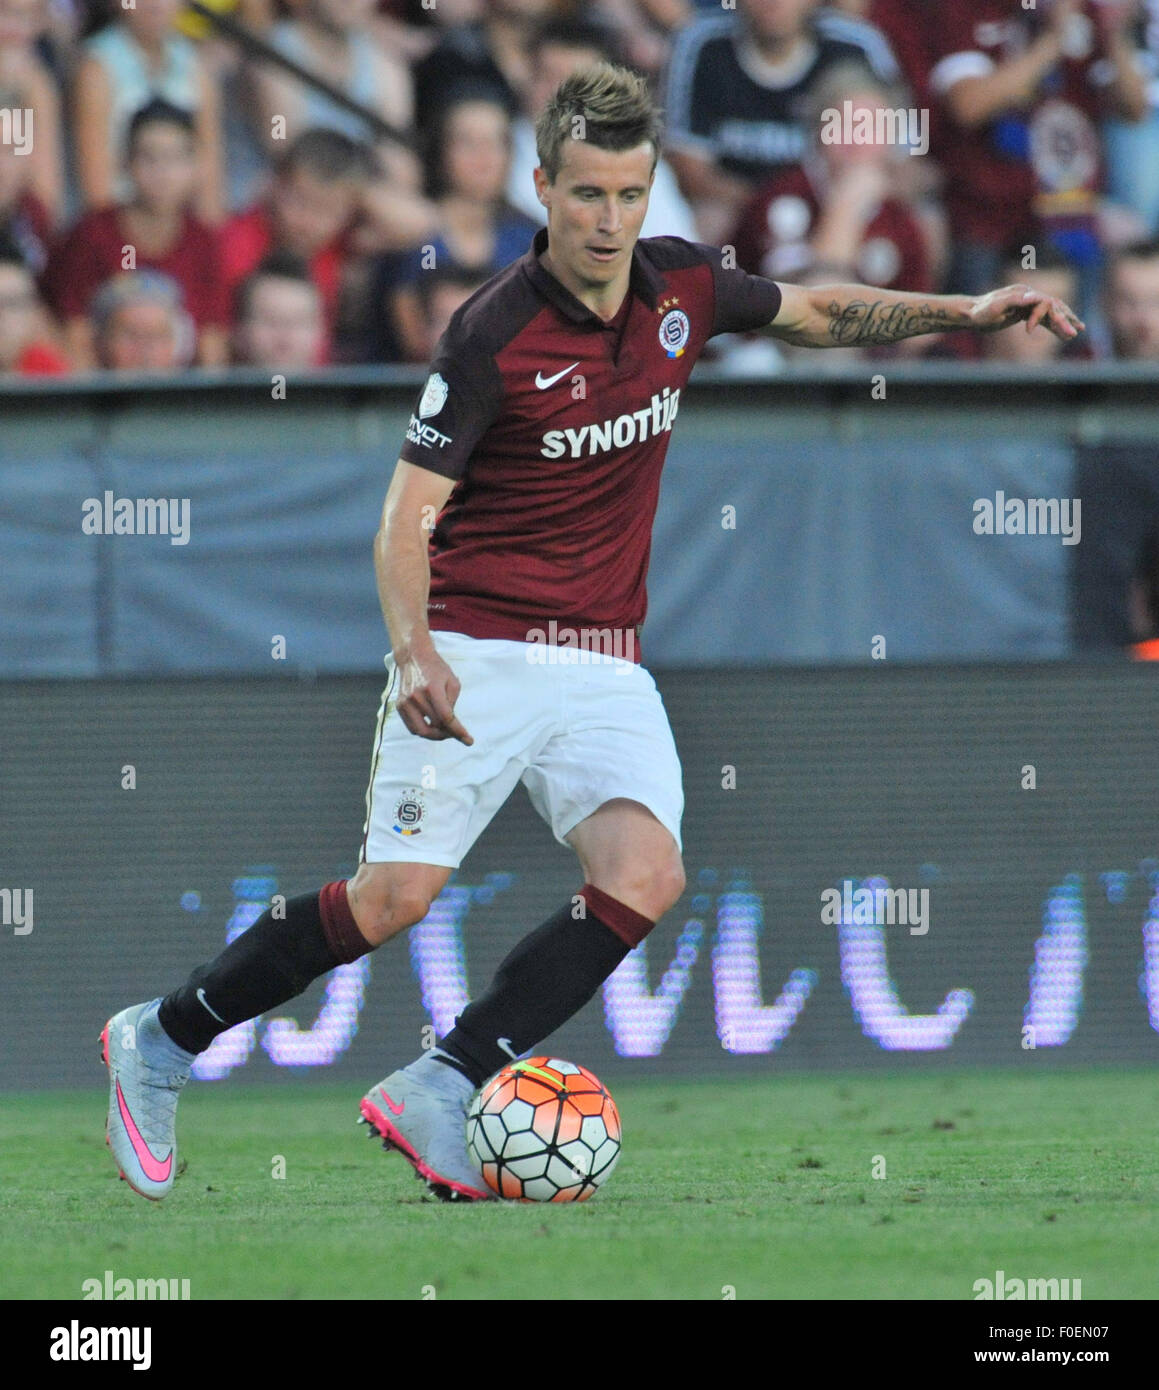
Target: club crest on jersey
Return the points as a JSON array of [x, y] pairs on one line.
[[409, 812], [674, 332], [434, 396]]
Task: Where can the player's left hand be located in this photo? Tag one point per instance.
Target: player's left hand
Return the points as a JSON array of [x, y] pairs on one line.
[[1016, 303]]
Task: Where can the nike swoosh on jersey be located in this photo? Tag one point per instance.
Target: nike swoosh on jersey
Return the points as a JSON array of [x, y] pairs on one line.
[[152, 1167], [543, 382]]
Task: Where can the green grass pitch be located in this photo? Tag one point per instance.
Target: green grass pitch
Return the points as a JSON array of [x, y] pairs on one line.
[[761, 1186]]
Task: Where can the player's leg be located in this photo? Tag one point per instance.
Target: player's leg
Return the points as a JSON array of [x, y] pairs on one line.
[[633, 875], [149, 1048], [427, 795], [419, 1110], [609, 785], [627, 854]]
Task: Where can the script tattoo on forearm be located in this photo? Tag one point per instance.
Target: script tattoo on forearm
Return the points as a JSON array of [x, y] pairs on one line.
[[857, 323]]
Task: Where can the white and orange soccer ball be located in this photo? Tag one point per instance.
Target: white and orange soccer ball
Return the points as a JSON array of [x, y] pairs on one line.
[[544, 1130]]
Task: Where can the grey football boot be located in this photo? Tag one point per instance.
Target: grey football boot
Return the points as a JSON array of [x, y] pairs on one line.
[[421, 1110]]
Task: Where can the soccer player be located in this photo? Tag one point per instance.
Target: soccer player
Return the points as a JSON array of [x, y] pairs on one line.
[[535, 452]]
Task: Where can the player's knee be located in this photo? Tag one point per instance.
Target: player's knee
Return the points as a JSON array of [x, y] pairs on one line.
[[649, 890], [384, 905], [663, 885], [392, 914], [670, 882]]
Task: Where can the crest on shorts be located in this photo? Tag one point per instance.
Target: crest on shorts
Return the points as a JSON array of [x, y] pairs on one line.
[[434, 396], [674, 332], [409, 812]]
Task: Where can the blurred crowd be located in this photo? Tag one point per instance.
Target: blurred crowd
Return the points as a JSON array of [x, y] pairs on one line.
[[170, 198]]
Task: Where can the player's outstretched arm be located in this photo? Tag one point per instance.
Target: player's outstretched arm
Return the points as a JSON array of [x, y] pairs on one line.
[[428, 687], [861, 316]]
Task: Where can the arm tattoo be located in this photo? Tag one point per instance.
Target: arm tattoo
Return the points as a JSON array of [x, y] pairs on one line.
[[857, 323]]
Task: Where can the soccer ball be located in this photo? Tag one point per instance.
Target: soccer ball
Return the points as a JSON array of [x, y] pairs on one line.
[[542, 1130]]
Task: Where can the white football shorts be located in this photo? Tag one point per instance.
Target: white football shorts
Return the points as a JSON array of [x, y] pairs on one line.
[[575, 732]]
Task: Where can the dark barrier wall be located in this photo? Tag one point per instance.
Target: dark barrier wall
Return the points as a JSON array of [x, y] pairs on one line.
[[1015, 806], [807, 519]]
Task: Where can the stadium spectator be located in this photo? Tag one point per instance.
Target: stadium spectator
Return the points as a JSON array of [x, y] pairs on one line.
[[559, 48], [31, 100], [734, 93], [440, 294], [335, 39], [1022, 91], [331, 38], [477, 230], [24, 220], [837, 215], [909, 26], [488, 57], [644, 29], [154, 229], [139, 324], [280, 323], [1133, 301], [316, 197], [1052, 274], [1132, 147], [26, 347], [135, 58]]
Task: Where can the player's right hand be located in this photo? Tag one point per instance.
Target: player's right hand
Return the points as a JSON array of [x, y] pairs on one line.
[[427, 695]]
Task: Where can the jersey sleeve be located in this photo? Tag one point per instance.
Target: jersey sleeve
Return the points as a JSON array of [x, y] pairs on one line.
[[688, 95], [743, 301], [954, 52], [459, 401]]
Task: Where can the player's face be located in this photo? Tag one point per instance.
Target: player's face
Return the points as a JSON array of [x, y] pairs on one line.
[[595, 209]]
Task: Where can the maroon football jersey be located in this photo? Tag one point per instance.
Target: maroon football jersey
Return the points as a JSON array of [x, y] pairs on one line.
[[1022, 166], [772, 235], [555, 425]]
